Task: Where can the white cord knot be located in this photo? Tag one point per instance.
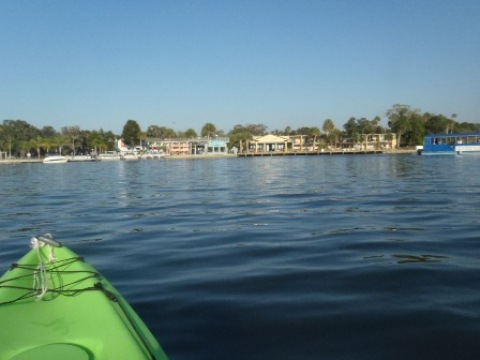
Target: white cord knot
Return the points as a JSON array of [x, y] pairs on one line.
[[47, 239], [35, 243], [40, 281]]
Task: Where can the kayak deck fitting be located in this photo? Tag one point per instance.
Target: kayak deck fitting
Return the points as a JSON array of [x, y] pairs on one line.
[[53, 305]]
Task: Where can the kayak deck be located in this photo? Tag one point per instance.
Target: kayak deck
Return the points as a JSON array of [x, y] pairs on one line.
[[66, 309]]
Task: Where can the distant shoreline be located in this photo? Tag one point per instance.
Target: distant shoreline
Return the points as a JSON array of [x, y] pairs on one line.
[[226, 156]]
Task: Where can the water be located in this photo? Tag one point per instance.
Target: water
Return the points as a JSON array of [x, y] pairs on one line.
[[319, 257]]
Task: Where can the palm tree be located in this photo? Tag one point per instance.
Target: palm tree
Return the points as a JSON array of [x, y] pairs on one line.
[[44, 143], [334, 136], [142, 136], [98, 144], [35, 144], [452, 122], [208, 130], [328, 127], [314, 133]]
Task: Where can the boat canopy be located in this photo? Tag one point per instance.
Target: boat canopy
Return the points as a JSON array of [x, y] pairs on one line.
[[452, 138]]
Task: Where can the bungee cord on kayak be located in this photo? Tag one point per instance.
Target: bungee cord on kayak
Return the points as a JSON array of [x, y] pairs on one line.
[[41, 286], [40, 273], [52, 291], [44, 274]]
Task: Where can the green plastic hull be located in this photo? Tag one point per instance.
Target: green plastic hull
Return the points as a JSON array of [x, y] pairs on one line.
[[80, 316]]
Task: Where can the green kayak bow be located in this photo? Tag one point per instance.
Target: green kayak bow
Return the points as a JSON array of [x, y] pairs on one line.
[[53, 305]]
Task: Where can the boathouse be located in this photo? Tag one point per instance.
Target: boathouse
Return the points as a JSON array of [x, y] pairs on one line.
[[268, 142]]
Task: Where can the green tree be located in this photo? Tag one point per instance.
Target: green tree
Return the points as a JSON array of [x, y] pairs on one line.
[[48, 131], [20, 129], [131, 133], [154, 131], [402, 119], [108, 138], [436, 124], [329, 129], [364, 126], [416, 132], [238, 136], [256, 129], [452, 123], [13, 134], [328, 126], [208, 130], [304, 130], [97, 141], [48, 143], [170, 133], [190, 134], [71, 138], [35, 147], [142, 136], [313, 134], [466, 127], [376, 127], [59, 142], [160, 132], [353, 131], [334, 137]]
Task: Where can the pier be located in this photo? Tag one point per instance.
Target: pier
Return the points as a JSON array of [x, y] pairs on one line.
[[307, 153]]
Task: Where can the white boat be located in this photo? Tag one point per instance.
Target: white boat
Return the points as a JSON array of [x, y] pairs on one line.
[[55, 159], [155, 154], [109, 156], [129, 156], [77, 158]]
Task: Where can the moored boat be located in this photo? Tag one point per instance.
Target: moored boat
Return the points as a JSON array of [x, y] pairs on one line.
[[81, 158], [129, 156], [153, 155], [109, 156], [54, 305], [450, 144], [55, 159]]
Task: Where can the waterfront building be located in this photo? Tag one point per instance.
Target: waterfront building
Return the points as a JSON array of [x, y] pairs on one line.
[[269, 142], [296, 143], [378, 142], [199, 146]]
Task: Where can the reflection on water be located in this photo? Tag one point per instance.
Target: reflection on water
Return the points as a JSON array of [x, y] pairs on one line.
[[406, 258], [419, 258]]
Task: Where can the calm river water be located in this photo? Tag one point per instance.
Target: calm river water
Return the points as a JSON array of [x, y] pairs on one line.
[[318, 257]]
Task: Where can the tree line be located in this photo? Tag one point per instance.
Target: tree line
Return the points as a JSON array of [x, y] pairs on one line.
[[19, 138]]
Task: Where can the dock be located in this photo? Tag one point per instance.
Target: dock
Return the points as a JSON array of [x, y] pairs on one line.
[[307, 153], [15, 161]]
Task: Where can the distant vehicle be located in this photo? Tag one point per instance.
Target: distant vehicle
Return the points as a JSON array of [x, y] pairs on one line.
[[450, 144]]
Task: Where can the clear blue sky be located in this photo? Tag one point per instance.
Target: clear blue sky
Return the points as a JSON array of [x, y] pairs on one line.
[[180, 64]]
